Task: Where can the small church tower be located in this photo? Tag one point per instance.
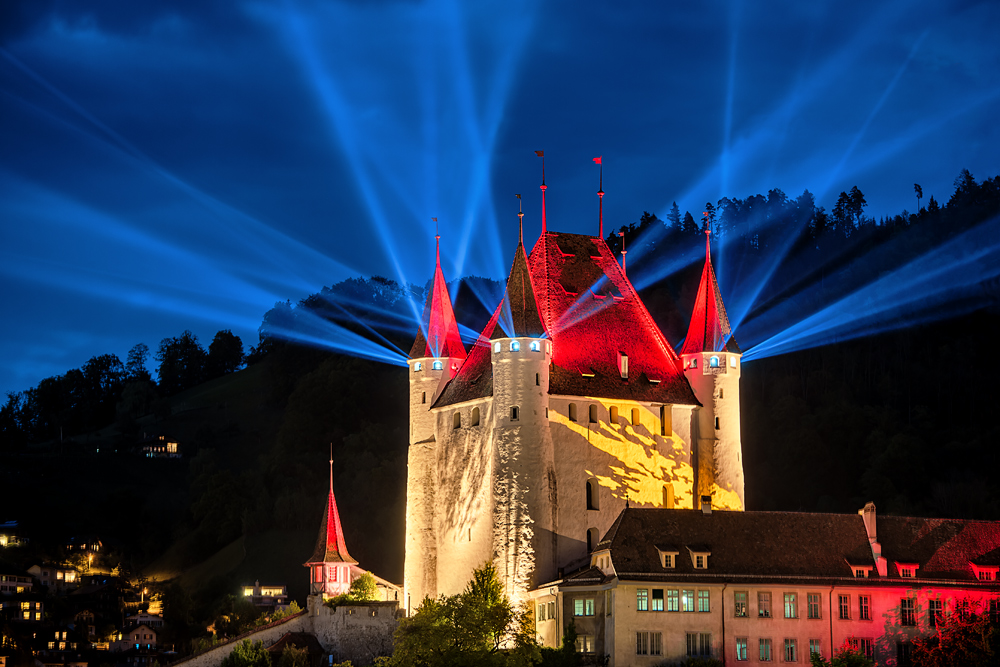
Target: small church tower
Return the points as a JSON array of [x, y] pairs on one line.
[[435, 356], [330, 564], [712, 361]]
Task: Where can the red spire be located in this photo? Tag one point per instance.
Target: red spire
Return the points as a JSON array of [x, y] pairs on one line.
[[709, 330], [541, 154], [330, 545], [600, 195], [441, 338]]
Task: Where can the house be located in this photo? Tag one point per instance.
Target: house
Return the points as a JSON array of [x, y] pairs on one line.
[[137, 637], [58, 578], [15, 583], [10, 535], [570, 406], [267, 598], [761, 587], [160, 447], [28, 607], [145, 618]]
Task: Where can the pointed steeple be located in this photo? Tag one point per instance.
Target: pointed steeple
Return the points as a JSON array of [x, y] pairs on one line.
[[709, 330], [519, 308], [438, 334], [330, 545]]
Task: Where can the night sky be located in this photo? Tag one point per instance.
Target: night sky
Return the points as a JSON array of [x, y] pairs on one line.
[[184, 165]]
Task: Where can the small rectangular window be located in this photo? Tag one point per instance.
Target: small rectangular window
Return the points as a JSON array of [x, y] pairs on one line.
[[741, 648], [642, 643], [813, 600], [552, 610], [764, 605], [740, 604], [673, 600], [642, 599], [513, 413], [657, 599], [864, 608], [687, 600], [907, 611], [578, 607], [791, 606], [703, 601], [845, 606], [791, 650], [814, 648], [765, 649], [934, 611], [656, 643]]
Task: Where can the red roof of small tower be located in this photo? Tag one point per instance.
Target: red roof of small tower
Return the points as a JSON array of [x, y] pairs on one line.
[[330, 545], [441, 338], [709, 330], [519, 308]]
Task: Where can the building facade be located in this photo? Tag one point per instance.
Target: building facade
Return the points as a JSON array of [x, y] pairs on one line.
[[570, 406], [769, 587]]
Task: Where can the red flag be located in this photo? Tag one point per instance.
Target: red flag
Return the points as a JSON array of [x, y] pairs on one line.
[[540, 153], [621, 234], [597, 160]]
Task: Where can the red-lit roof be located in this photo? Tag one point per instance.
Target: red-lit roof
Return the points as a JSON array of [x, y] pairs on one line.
[[330, 545], [592, 314], [709, 330], [441, 338]]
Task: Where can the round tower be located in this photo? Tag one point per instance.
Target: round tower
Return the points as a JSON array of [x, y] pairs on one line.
[[712, 361]]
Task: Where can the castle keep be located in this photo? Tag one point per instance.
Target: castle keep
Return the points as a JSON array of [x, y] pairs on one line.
[[569, 406]]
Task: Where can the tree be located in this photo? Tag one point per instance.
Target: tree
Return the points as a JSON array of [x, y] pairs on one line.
[[225, 354], [688, 225], [135, 363], [846, 656], [969, 637], [710, 217], [248, 654], [856, 205], [479, 626], [920, 194], [674, 217], [364, 588], [182, 363], [292, 656]]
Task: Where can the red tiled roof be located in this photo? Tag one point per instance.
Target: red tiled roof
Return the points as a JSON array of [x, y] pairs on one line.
[[709, 330], [572, 288], [441, 338], [330, 545]]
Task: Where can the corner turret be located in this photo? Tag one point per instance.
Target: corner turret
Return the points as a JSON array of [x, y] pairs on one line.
[[330, 564], [712, 360]]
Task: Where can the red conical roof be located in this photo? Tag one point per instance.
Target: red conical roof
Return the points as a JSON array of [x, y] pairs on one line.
[[519, 309], [330, 545], [441, 338], [709, 330]]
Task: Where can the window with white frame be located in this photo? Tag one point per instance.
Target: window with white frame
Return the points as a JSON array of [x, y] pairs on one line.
[[740, 604]]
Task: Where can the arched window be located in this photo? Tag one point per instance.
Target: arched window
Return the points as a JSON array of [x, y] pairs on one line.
[[535, 346], [614, 415], [713, 362], [593, 497], [572, 412], [515, 346], [593, 414], [419, 366], [668, 496], [438, 366], [732, 361], [496, 346], [636, 419], [593, 537], [514, 413], [694, 363], [475, 417], [456, 420]]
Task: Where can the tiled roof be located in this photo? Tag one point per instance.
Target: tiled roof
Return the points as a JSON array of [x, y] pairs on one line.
[[709, 330], [793, 545], [441, 338], [330, 545], [572, 288]]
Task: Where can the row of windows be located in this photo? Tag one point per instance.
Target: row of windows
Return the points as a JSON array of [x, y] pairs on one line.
[[790, 605], [515, 346], [713, 362], [615, 418], [676, 600], [765, 649]]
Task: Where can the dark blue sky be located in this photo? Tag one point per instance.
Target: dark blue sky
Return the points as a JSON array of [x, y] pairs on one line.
[[183, 165]]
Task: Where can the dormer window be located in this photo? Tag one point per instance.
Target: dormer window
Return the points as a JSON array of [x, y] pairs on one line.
[[515, 346], [535, 346], [713, 362], [861, 573], [668, 558], [419, 366], [438, 366], [907, 570], [699, 558], [985, 572]]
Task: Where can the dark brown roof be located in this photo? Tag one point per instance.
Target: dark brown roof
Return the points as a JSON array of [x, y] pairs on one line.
[[519, 310], [792, 545]]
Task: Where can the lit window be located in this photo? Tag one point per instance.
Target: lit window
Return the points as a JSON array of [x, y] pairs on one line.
[[642, 599], [906, 572], [765, 650], [713, 362], [791, 604], [585, 644], [419, 366], [732, 361], [740, 604], [741, 648], [703, 601], [791, 650], [535, 346], [636, 419], [515, 346], [694, 363], [687, 600], [496, 346], [437, 366], [860, 573], [764, 605], [657, 599], [673, 600]]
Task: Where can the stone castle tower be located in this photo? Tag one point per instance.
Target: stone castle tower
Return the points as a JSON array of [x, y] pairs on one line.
[[570, 404]]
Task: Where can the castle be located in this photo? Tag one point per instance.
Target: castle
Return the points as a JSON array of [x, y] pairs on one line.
[[570, 406]]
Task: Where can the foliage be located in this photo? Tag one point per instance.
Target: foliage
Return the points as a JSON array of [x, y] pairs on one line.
[[292, 656], [291, 610], [248, 654], [476, 627], [565, 655], [225, 354], [182, 363], [364, 588], [968, 637], [845, 656]]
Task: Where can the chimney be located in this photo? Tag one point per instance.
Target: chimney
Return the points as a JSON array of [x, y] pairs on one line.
[[706, 504], [868, 516]]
